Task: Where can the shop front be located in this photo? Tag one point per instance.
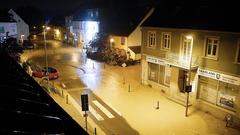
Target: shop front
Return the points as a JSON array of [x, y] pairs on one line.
[[158, 73], [218, 91]]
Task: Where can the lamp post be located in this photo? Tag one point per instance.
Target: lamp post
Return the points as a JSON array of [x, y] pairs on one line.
[[189, 87], [45, 50]]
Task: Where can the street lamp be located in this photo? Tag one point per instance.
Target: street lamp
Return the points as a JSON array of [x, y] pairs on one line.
[[111, 42], [189, 87], [45, 50]]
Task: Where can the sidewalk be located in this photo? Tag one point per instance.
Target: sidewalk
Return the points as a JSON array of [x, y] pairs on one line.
[[70, 105], [138, 106]]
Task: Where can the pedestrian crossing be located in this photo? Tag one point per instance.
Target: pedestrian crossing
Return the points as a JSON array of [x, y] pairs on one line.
[[95, 114], [103, 109]]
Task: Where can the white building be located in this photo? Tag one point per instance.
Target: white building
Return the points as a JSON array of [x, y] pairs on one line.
[[22, 27], [8, 29]]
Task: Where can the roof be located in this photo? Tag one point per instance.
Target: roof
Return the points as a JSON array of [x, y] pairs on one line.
[[201, 14], [135, 49], [25, 108], [122, 21]]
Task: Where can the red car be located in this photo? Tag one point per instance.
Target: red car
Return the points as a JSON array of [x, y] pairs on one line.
[[53, 73]]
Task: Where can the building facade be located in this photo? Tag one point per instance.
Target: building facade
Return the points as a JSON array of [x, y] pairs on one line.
[[209, 61], [130, 38], [22, 26], [8, 29], [82, 27]]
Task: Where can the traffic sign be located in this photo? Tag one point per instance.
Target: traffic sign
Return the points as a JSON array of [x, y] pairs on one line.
[[84, 101]]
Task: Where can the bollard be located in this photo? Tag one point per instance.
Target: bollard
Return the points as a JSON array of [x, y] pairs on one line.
[[157, 105], [104, 65], [129, 88], [95, 131], [93, 65], [62, 94], [67, 99], [123, 80]]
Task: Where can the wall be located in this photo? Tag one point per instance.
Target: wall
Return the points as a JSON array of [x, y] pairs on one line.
[[117, 42], [226, 54], [134, 39], [22, 27], [10, 27]]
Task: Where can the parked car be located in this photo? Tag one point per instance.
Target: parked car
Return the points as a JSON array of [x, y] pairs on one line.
[[27, 44], [53, 73]]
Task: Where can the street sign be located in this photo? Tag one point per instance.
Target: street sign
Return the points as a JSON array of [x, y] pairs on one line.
[[84, 101], [188, 88]]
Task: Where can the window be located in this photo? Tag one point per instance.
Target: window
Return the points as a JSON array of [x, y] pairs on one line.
[[159, 74], [211, 47], [238, 53], [2, 30], [122, 40], [166, 41], [186, 48], [153, 72], [151, 39]]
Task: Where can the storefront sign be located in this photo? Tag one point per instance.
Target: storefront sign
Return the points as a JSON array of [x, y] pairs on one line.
[[155, 60], [219, 76]]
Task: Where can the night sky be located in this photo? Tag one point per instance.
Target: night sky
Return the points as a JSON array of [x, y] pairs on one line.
[[70, 4], [42, 4]]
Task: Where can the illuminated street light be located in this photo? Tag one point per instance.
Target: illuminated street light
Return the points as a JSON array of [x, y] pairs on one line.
[[189, 37], [111, 41], [45, 44]]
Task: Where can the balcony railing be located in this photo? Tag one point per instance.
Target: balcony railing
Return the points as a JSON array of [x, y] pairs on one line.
[[181, 61]]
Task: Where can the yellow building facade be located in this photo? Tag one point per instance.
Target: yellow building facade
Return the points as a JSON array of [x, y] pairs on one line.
[[209, 61]]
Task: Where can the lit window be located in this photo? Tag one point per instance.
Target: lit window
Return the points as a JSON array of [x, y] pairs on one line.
[[151, 39], [122, 40], [211, 47], [166, 41]]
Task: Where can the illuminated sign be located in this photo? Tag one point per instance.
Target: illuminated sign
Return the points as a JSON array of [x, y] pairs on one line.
[[155, 60], [219, 76]]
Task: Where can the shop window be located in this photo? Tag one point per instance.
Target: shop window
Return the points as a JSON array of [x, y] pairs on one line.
[[167, 75], [151, 39], [208, 89], [227, 95], [218, 93], [153, 72], [182, 80]]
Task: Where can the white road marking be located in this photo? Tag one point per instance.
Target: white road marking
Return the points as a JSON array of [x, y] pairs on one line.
[[95, 114], [114, 109], [102, 108]]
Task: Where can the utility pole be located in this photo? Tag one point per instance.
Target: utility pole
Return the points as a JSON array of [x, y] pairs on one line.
[[189, 87], [45, 50]]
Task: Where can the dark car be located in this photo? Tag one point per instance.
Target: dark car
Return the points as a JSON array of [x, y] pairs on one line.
[[27, 44]]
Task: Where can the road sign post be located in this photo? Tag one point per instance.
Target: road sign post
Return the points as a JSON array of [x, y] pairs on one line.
[[85, 107]]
